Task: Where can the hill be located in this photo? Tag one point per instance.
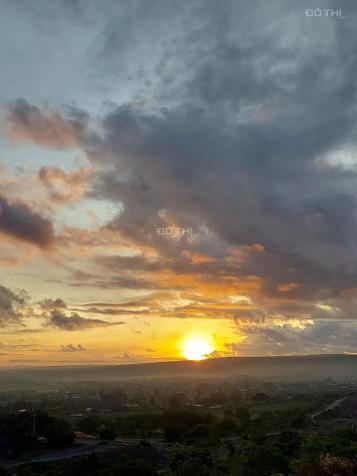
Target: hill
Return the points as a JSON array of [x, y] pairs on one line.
[[289, 368]]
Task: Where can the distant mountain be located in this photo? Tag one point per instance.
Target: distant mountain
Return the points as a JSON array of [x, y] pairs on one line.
[[291, 368]]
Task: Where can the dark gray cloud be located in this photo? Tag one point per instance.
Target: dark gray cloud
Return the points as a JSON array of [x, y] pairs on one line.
[[18, 221], [27, 123], [49, 304], [74, 322], [242, 138], [12, 306]]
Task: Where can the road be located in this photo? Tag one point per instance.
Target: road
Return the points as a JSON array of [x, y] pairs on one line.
[[331, 406], [83, 447], [79, 449]]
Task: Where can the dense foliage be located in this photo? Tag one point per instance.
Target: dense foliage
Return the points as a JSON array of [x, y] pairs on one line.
[[215, 432]]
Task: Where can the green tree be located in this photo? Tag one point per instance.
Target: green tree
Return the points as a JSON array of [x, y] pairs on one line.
[[59, 434], [203, 433], [192, 467], [108, 431], [90, 424], [4, 471], [243, 415]]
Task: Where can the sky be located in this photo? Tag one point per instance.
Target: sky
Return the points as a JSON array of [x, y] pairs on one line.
[[177, 170]]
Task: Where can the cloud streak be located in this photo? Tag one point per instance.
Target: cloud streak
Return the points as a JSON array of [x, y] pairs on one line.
[[74, 322]]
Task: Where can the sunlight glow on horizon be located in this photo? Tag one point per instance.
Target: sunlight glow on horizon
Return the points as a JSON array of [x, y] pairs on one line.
[[197, 347]]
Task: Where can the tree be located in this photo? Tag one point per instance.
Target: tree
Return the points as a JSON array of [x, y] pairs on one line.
[[326, 466], [108, 431], [227, 425], [59, 434], [243, 415], [203, 433], [261, 397], [176, 424], [177, 401], [312, 447], [192, 467], [4, 471], [265, 460], [90, 424]]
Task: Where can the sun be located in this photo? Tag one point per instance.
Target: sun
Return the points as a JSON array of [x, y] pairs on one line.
[[196, 348]]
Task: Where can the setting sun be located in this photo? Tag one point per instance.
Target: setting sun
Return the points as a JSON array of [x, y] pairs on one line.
[[197, 348]]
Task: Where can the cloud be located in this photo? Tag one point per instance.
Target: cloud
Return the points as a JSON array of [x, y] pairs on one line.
[[65, 187], [18, 221], [74, 322], [27, 123], [233, 126], [12, 306], [50, 304], [312, 337], [73, 348], [128, 357], [17, 346]]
